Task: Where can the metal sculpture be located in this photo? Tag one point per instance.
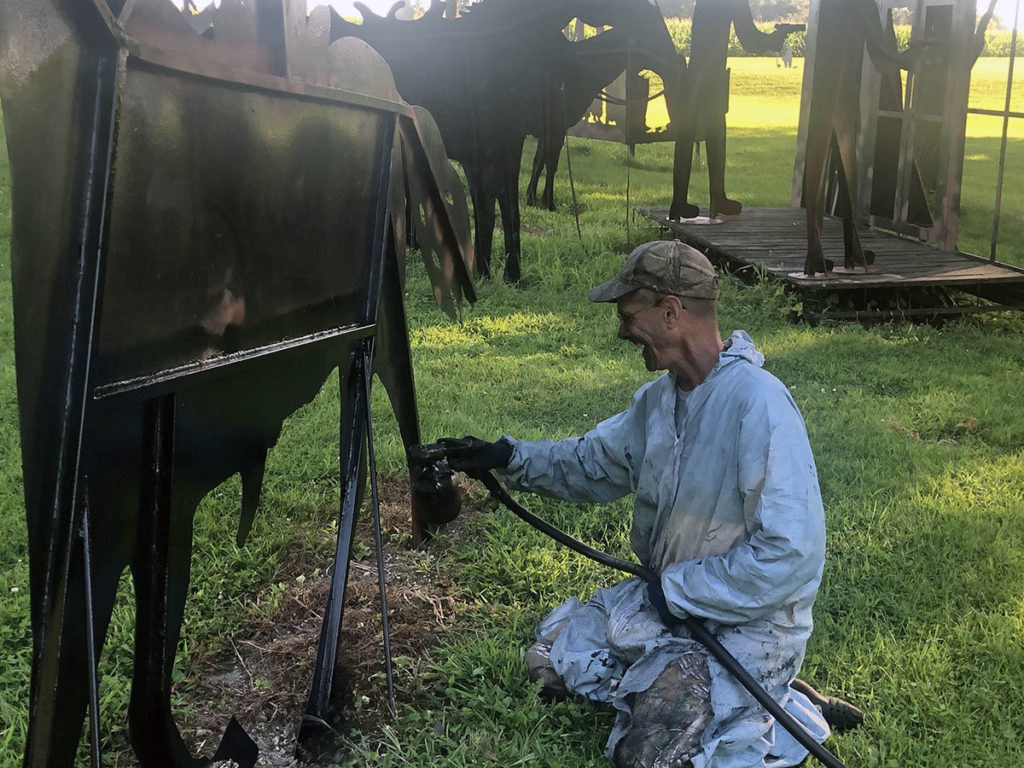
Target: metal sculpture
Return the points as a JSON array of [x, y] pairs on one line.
[[481, 77], [898, 187], [201, 234], [912, 158], [844, 29], [589, 65], [706, 98]]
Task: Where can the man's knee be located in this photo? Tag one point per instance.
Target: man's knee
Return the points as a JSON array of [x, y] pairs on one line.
[[669, 718]]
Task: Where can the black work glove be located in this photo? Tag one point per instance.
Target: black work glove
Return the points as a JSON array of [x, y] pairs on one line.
[[656, 596], [473, 455]]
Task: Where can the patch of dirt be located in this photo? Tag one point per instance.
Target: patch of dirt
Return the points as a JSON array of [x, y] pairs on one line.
[[264, 679]]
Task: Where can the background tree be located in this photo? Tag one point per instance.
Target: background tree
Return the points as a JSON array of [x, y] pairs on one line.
[[675, 9], [762, 10], [772, 10]]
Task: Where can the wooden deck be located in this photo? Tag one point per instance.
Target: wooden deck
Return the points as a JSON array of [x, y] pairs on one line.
[[774, 241]]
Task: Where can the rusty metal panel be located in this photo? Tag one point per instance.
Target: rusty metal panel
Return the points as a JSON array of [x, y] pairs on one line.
[[911, 133]]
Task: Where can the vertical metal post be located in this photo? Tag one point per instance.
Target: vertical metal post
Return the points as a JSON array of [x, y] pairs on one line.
[[905, 163], [1006, 129], [63, 514], [90, 640], [378, 544], [568, 165], [625, 91], [353, 410]]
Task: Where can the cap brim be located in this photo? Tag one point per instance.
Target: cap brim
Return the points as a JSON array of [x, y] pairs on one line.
[[613, 290]]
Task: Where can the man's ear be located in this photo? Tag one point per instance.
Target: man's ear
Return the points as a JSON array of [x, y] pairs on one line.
[[672, 310]]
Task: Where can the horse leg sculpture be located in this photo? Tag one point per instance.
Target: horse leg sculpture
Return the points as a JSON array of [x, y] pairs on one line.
[[60, 706], [552, 150], [538, 169], [815, 177], [483, 217], [846, 153], [508, 203], [161, 574], [682, 157], [550, 122]]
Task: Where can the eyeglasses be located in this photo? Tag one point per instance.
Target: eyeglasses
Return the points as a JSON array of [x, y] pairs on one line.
[[626, 319]]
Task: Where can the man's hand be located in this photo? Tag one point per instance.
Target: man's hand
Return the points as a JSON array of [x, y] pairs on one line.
[[789, 29], [471, 454], [656, 596]]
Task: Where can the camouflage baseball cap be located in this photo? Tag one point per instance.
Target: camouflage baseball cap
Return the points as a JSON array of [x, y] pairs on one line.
[[665, 266]]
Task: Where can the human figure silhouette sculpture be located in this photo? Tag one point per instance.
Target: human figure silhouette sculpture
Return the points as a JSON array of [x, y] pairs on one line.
[[706, 97]]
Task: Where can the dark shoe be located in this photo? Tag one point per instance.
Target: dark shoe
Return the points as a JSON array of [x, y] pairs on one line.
[[538, 667], [840, 715]]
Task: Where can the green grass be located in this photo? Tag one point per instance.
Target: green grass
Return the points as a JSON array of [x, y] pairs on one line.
[[917, 433]]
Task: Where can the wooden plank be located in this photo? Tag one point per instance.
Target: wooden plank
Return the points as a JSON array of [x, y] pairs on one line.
[[773, 240]]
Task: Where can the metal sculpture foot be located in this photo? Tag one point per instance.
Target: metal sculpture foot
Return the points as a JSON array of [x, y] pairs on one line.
[[861, 261], [815, 269], [683, 211], [726, 207]]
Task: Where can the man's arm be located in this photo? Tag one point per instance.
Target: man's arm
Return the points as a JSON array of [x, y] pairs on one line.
[[751, 38], [597, 467], [785, 551]]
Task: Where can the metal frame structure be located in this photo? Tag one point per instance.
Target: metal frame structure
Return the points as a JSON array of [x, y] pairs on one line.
[[927, 127], [1006, 113], [910, 146], [207, 221]]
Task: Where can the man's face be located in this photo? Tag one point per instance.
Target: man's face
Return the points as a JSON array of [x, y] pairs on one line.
[[641, 322]]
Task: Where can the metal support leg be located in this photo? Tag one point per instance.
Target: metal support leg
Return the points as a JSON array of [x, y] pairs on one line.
[[368, 372]]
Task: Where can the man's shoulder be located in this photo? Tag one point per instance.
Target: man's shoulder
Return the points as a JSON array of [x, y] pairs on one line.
[[753, 386], [654, 389]]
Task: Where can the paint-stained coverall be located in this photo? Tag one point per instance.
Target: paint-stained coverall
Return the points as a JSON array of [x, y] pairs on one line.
[[728, 511]]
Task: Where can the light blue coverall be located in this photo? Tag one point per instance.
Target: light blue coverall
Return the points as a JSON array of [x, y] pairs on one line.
[[728, 510]]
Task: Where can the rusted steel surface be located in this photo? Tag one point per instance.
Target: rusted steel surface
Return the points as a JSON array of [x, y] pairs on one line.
[[208, 218], [912, 141], [896, 150]]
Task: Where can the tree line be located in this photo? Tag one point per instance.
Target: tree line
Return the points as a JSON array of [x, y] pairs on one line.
[[997, 41]]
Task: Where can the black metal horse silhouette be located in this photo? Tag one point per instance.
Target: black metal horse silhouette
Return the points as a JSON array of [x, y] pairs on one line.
[[589, 66], [481, 75]]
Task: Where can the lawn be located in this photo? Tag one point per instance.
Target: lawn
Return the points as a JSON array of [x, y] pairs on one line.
[[917, 432]]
